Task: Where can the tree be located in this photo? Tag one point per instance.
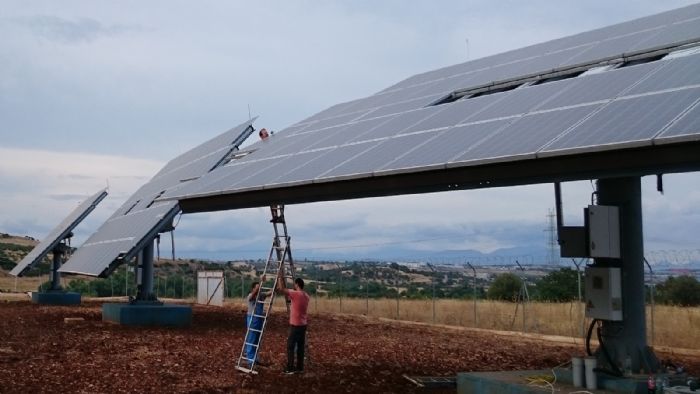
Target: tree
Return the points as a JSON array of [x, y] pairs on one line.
[[505, 287], [683, 291], [558, 286]]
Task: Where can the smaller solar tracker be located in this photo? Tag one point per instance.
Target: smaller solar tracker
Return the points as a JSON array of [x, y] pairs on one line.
[[58, 234], [141, 217]]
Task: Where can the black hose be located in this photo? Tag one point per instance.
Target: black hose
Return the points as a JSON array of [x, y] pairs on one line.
[[615, 370], [588, 337]]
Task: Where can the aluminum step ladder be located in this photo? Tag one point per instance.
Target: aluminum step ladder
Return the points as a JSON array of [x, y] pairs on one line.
[[278, 260]]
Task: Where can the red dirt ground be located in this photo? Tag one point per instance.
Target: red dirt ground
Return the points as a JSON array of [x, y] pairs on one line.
[[39, 352]]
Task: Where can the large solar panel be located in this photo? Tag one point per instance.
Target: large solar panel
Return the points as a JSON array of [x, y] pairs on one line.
[[59, 233], [141, 217], [609, 89]]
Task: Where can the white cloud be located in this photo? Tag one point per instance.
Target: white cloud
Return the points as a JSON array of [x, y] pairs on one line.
[[41, 187]]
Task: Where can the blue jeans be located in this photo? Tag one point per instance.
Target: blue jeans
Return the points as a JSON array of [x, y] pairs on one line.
[[251, 352]]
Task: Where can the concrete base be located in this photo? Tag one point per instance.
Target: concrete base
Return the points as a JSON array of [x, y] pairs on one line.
[[159, 315], [516, 382], [56, 298]]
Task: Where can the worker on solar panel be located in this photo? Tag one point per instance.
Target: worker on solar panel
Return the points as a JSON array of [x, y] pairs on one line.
[[253, 320], [263, 134], [297, 322]]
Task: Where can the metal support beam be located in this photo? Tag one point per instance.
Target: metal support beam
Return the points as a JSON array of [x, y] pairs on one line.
[[668, 158], [58, 254], [145, 269], [627, 338]]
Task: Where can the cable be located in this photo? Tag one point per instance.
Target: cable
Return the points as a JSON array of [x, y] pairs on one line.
[[588, 337], [615, 370], [178, 220]]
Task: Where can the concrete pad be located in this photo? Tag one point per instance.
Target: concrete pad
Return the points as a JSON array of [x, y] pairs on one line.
[[56, 298], [512, 382], [155, 315]]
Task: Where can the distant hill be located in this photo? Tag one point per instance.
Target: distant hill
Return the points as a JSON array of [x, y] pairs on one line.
[[13, 248]]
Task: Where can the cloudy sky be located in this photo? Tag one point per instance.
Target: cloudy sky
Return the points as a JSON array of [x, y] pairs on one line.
[[96, 93]]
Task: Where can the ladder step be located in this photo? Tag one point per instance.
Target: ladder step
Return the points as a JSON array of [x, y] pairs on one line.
[[263, 316], [250, 344], [255, 330], [267, 288], [246, 358], [246, 370]]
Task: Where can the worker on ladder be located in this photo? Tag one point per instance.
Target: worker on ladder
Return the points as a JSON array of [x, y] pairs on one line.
[[297, 322], [254, 321]]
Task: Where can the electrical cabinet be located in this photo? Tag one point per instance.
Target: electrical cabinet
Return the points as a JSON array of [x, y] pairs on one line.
[[603, 224], [603, 293], [598, 238]]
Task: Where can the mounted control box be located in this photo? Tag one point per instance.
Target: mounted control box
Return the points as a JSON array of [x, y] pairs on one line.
[[603, 223], [599, 237], [604, 293]]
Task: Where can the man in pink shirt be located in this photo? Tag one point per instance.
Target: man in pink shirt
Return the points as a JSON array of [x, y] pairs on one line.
[[297, 323]]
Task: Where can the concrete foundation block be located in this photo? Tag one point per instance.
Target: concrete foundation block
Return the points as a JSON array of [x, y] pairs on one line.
[[155, 315], [56, 298]]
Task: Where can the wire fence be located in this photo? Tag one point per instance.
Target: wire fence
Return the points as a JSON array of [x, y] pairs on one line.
[[442, 291]]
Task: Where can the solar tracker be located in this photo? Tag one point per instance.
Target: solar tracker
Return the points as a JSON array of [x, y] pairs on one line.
[[59, 233], [551, 102], [141, 217]]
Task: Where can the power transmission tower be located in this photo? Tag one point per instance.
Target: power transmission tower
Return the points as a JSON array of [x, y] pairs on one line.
[[552, 244]]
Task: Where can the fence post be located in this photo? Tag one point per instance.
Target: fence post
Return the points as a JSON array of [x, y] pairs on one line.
[[476, 318], [432, 283], [367, 294], [398, 315], [340, 290], [316, 295], [651, 294]]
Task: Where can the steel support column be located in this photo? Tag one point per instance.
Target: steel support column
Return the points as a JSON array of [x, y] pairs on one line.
[[145, 265], [627, 338], [58, 253]]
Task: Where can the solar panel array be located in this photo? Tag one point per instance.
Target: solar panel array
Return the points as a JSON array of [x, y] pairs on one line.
[[411, 126], [58, 234], [141, 217]]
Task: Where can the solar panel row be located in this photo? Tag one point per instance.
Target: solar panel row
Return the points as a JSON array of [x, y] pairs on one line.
[[629, 106], [655, 31]]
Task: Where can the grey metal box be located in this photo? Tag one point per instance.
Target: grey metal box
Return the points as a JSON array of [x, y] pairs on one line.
[[572, 241], [603, 231], [603, 293]]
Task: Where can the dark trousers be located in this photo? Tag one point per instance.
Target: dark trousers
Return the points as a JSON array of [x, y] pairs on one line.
[[297, 338]]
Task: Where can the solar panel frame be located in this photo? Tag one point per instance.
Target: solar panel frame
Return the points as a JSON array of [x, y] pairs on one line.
[[365, 163], [523, 100], [397, 124], [525, 136], [119, 240], [402, 106], [444, 146], [672, 74], [601, 87], [613, 47], [685, 128], [678, 32], [59, 233], [602, 130]]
